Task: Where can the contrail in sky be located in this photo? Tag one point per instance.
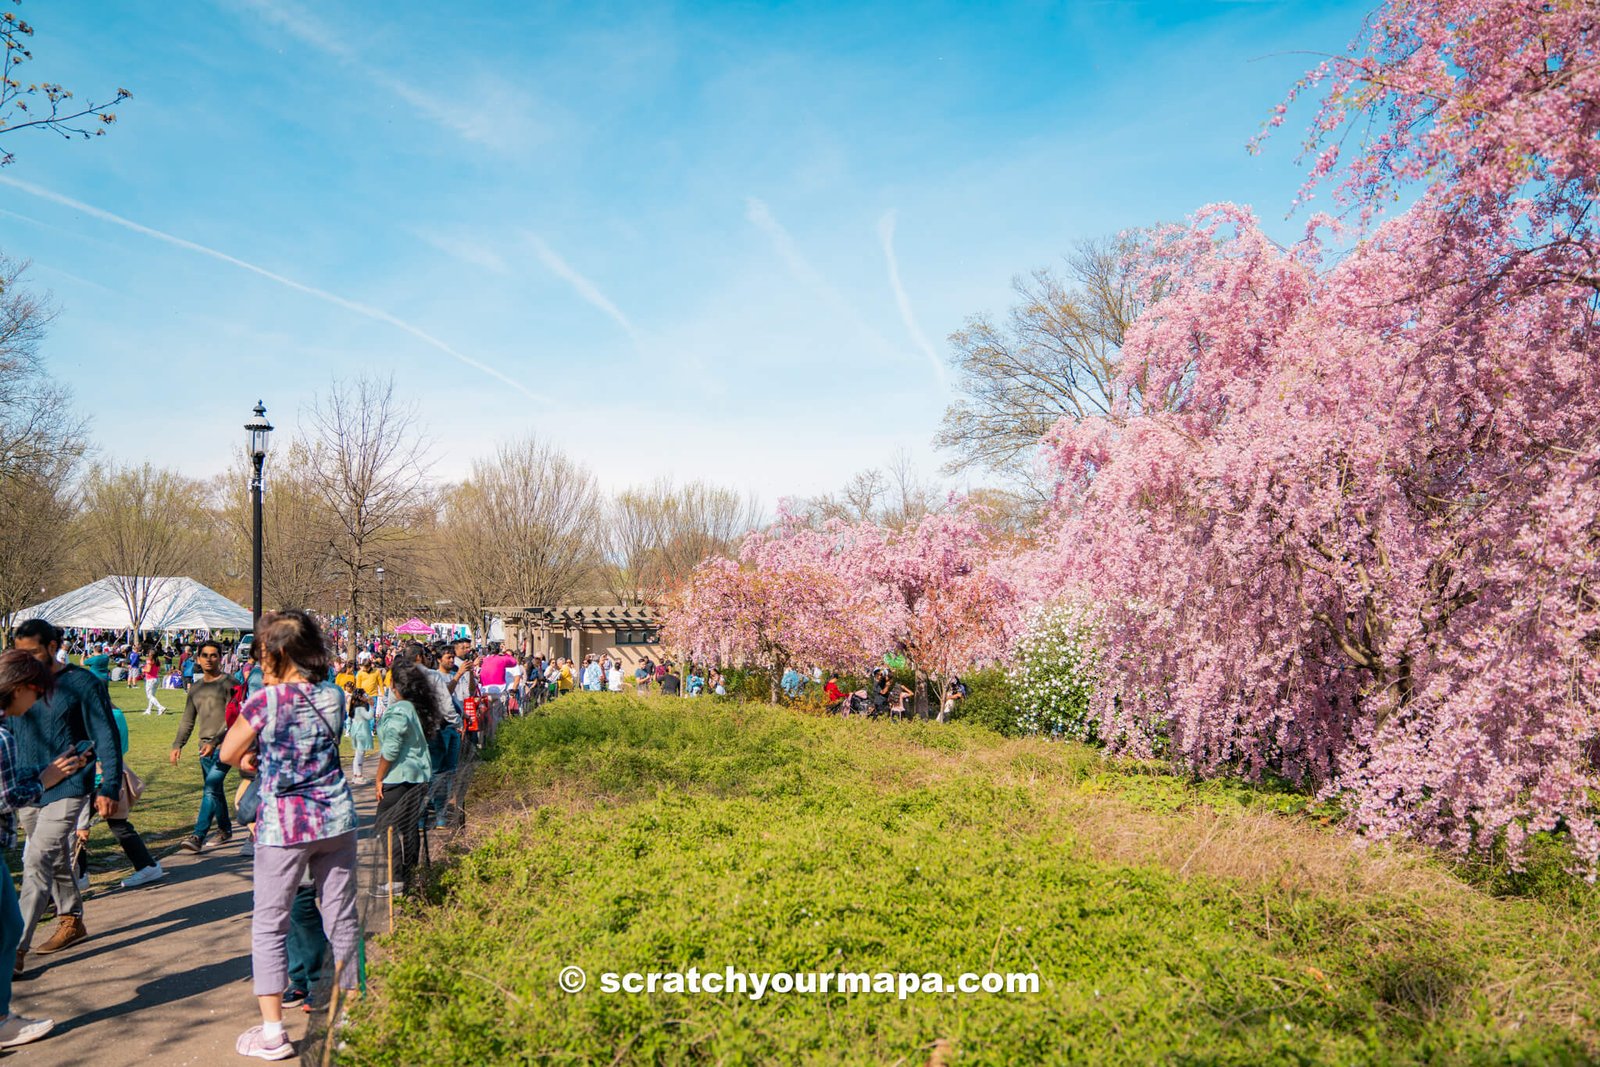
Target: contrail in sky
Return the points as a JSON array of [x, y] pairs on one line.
[[761, 217], [364, 310], [886, 238], [588, 290], [304, 27]]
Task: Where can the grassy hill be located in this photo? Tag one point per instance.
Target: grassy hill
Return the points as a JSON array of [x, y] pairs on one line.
[[1168, 921]]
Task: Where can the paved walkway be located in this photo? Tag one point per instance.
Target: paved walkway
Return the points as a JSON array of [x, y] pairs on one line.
[[164, 976]]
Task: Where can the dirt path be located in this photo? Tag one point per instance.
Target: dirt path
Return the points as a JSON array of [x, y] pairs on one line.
[[164, 975]]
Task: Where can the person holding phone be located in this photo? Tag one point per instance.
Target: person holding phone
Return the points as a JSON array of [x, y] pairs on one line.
[[79, 708], [23, 681]]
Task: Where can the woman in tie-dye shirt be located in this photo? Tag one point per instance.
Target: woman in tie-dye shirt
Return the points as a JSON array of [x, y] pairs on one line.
[[288, 733]]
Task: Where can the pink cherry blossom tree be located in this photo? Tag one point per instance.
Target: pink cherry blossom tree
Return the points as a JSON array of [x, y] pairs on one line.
[[843, 594], [1362, 549], [783, 602]]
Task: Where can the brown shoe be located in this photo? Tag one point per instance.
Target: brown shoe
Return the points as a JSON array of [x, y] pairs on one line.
[[69, 931], [17, 968]]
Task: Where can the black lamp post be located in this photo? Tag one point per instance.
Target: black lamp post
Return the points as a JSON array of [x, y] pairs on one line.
[[380, 606], [259, 429]]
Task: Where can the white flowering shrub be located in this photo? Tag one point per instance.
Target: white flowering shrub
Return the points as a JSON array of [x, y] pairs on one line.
[[1053, 674]]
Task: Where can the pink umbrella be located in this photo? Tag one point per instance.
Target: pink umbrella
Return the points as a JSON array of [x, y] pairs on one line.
[[414, 625]]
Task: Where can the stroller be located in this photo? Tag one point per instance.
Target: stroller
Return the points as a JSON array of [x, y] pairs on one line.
[[857, 703]]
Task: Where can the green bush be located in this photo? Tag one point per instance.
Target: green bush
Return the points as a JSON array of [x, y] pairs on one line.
[[990, 702]]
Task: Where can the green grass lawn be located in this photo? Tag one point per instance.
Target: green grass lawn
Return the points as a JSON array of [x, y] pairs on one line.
[[1168, 922]]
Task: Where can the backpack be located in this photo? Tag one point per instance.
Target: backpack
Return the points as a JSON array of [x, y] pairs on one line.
[[235, 705]]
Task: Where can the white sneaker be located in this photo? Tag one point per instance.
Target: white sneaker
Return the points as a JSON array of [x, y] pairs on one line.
[[19, 1030], [144, 877]]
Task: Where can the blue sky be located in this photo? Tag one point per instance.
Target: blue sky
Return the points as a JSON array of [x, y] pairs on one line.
[[708, 241]]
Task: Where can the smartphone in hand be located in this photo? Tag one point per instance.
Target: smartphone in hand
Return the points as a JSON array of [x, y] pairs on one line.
[[84, 748]]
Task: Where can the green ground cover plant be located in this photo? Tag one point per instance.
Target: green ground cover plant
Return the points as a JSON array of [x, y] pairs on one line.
[[1168, 921]]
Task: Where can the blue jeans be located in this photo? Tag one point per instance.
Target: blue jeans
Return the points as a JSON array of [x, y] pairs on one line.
[[213, 801], [445, 748], [10, 933], [306, 944]]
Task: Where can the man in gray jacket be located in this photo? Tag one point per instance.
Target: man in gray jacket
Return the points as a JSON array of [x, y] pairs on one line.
[[78, 710]]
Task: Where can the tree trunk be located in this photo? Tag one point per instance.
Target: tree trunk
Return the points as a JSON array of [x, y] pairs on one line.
[[919, 699], [355, 594]]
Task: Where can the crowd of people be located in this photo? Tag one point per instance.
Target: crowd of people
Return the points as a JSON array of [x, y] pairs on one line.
[[276, 709], [882, 695]]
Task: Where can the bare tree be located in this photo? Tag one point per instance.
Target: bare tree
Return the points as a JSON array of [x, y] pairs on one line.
[[298, 566], [368, 462], [1056, 356], [37, 425], [896, 496], [525, 528], [42, 105], [660, 532], [141, 526], [35, 528], [41, 444]]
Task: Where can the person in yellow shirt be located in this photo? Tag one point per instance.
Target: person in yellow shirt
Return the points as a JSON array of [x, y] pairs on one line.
[[565, 683], [342, 676], [369, 679]]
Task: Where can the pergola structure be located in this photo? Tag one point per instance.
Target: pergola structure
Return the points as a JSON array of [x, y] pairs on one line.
[[630, 632]]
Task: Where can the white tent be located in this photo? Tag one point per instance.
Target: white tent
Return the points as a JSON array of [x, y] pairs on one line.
[[172, 604]]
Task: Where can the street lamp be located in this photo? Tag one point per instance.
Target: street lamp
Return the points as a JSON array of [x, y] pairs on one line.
[[259, 429], [380, 604]]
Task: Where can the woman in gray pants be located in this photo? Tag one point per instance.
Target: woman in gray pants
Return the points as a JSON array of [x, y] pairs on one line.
[[288, 734]]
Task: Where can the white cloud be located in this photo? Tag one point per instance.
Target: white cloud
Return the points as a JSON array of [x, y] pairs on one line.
[[585, 288], [365, 310], [902, 301], [496, 114]]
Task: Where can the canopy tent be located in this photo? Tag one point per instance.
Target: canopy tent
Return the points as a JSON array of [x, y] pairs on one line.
[[172, 604], [414, 625]]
